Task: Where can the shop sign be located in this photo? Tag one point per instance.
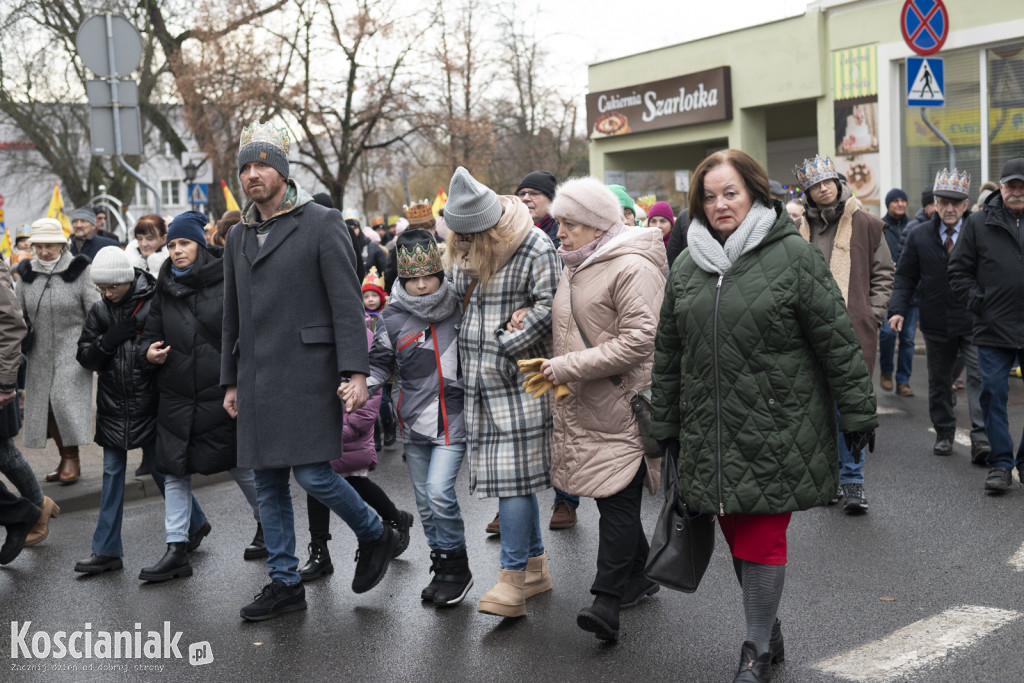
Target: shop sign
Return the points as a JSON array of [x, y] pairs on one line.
[[854, 73], [963, 127], [681, 101]]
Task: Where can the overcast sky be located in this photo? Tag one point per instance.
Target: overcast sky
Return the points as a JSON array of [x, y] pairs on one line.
[[581, 32]]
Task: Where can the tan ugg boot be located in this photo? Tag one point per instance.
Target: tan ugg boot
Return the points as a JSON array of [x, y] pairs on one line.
[[41, 528], [506, 599], [538, 579]]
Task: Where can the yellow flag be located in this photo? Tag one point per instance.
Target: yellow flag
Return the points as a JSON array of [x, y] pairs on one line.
[[439, 202], [56, 210], [5, 245], [229, 199]]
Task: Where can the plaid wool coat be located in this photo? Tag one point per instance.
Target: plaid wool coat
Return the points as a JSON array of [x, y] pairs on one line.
[[509, 432]]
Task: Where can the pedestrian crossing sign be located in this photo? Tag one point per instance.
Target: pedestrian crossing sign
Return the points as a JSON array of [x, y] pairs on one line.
[[925, 83]]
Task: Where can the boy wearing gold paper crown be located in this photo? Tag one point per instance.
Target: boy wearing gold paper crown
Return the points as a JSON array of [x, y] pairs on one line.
[[854, 247], [416, 338]]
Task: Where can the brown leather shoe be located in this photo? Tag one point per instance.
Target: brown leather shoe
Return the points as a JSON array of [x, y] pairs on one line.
[[55, 475], [495, 526], [885, 382], [41, 528], [563, 516], [69, 470], [904, 390]]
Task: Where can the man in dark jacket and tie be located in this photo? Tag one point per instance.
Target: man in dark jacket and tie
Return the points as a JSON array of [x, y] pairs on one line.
[[945, 322], [293, 342]]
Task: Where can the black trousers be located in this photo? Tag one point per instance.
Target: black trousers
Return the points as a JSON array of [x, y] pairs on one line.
[[942, 357], [15, 509], [320, 514], [622, 546]]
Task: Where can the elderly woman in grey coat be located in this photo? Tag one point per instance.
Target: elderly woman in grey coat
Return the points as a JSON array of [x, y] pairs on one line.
[[503, 266], [56, 293]]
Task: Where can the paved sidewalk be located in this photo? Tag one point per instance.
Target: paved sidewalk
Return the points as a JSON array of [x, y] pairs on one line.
[[85, 493]]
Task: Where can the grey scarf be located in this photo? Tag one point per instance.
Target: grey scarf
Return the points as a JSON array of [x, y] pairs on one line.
[[431, 308], [712, 257]]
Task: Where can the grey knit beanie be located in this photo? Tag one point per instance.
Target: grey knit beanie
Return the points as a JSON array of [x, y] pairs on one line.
[[266, 143], [472, 207], [83, 213], [587, 201], [110, 266]]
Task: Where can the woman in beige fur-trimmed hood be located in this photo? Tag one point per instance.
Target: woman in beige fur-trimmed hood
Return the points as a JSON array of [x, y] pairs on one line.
[[604, 319]]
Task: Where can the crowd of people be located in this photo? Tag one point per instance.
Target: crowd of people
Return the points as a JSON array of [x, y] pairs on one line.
[[512, 334]]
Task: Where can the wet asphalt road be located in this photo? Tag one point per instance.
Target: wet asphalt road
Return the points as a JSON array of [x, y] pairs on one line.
[[931, 541]]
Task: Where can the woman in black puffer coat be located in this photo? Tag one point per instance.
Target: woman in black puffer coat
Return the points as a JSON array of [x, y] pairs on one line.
[[194, 433], [126, 395]]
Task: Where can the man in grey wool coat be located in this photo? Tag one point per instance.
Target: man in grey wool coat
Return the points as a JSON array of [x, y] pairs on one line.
[[293, 338]]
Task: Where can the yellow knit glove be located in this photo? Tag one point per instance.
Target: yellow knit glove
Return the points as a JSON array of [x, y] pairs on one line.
[[531, 365], [561, 392], [537, 384]]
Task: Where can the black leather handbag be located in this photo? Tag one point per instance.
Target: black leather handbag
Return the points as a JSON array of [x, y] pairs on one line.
[[683, 540]]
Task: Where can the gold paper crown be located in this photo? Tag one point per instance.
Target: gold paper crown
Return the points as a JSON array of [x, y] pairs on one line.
[[265, 132], [419, 213], [419, 261], [958, 182], [377, 220], [813, 171], [372, 279]]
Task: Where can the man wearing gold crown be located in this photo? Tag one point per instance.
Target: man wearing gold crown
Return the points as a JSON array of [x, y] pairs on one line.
[[852, 243], [985, 271], [294, 342], [945, 321]]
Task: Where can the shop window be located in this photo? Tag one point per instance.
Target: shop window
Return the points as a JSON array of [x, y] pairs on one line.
[[1005, 107], [959, 121]]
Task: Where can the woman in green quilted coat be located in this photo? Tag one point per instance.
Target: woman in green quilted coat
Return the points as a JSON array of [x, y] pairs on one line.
[[753, 353]]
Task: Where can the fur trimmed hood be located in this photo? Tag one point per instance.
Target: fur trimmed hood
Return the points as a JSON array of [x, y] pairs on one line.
[[76, 265]]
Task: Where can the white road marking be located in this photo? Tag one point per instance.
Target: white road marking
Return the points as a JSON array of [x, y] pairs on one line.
[[963, 436], [886, 410], [1017, 561], [919, 645]]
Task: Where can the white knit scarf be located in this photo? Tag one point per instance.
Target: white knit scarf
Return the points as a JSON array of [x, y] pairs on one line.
[[712, 257]]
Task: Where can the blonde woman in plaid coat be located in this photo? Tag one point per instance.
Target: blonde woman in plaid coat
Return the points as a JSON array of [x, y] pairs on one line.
[[502, 267]]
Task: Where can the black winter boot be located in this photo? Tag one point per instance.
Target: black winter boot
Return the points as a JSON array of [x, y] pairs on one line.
[[319, 562], [754, 668], [373, 558], [452, 576], [601, 618], [427, 594], [172, 565], [257, 549], [402, 526]]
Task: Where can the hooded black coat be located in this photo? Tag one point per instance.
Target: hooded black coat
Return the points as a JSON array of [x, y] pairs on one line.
[[194, 432], [126, 394]]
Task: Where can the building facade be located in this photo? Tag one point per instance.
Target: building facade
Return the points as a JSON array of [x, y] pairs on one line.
[[832, 81]]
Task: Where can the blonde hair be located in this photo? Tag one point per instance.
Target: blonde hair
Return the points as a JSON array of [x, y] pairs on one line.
[[483, 251]]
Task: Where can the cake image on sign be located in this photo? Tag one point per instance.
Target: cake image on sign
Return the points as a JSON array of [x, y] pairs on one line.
[[611, 123], [858, 136]]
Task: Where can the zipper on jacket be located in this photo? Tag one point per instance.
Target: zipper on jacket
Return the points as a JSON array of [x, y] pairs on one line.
[[440, 383], [718, 394]]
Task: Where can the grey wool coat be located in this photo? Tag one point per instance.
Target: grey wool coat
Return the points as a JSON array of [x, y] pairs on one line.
[[293, 325], [509, 432], [54, 377]]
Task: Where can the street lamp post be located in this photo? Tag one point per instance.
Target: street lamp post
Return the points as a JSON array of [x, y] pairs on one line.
[[191, 171]]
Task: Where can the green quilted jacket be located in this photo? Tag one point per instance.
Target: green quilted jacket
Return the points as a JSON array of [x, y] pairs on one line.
[[748, 370]]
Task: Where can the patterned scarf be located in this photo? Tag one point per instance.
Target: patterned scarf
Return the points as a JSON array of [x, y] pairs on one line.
[[712, 257], [294, 197]]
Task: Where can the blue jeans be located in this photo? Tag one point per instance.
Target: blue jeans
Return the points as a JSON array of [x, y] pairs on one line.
[[905, 355], [274, 493], [520, 531], [994, 364], [106, 540], [850, 472], [433, 470], [177, 513], [572, 500]]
